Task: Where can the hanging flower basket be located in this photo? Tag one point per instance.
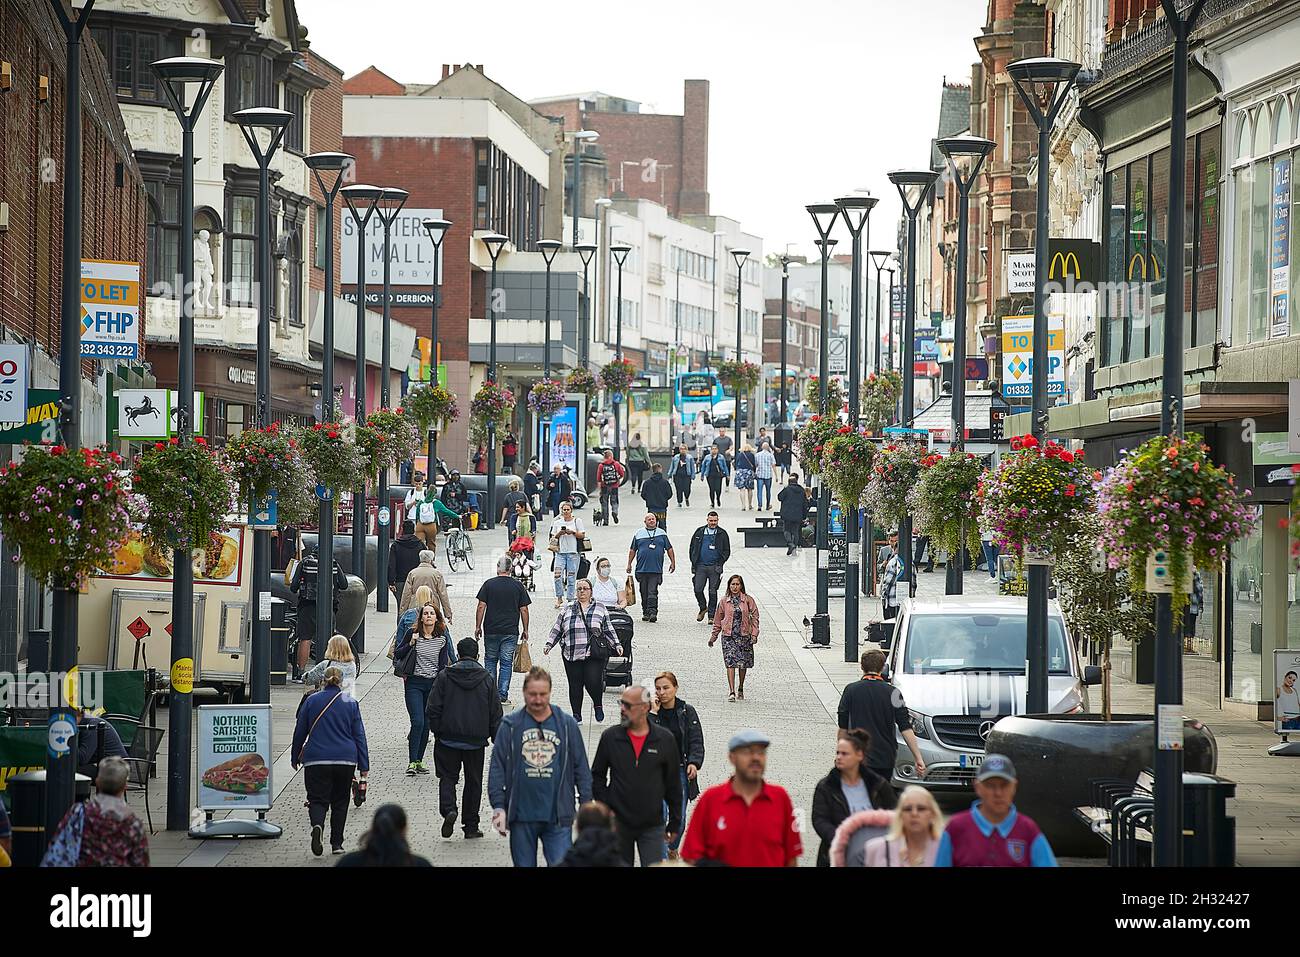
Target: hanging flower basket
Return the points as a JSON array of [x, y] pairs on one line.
[[491, 403], [848, 459], [189, 491], [331, 454], [811, 441], [581, 380], [1168, 494], [896, 471], [266, 460], [431, 407], [546, 398], [945, 500], [834, 395], [617, 375], [1034, 499], [38, 495], [879, 398], [741, 377], [387, 439]]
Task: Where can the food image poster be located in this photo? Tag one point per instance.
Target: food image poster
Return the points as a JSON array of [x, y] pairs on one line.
[[221, 563], [234, 757]]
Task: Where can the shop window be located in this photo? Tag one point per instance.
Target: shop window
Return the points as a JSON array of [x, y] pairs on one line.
[[1158, 246], [1206, 279], [1282, 135], [293, 134], [1258, 258], [1246, 582]]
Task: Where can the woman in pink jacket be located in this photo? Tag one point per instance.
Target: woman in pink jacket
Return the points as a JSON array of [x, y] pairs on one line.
[[736, 620]]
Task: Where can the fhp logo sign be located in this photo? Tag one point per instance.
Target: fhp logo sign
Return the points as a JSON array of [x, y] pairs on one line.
[[110, 309], [13, 382], [1018, 356]]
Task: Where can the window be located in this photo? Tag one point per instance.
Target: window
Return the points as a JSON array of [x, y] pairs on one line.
[[293, 138], [506, 198], [1205, 322], [249, 82], [162, 237], [241, 249], [293, 226], [129, 54], [751, 321]]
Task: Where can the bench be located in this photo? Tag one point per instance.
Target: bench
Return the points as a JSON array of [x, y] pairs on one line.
[[1122, 815]]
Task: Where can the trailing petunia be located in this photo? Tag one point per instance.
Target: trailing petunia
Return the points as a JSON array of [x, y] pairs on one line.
[[848, 460], [897, 469], [546, 397], [189, 489], [945, 500], [431, 407], [387, 439]]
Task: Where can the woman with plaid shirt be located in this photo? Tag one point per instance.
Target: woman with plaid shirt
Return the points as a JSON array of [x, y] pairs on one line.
[[584, 660]]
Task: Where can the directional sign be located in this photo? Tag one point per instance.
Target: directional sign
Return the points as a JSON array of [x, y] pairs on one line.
[[265, 512], [139, 629], [837, 355]]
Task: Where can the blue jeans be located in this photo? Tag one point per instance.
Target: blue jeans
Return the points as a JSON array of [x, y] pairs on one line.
[[991, 557], [677, 841], [764, 492], [417, 696], [566, 575], [499, 650], [556, 840], [406, 621]]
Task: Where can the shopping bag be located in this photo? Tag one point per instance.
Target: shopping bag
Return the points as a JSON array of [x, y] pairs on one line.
[[523, 662], [629, 592]]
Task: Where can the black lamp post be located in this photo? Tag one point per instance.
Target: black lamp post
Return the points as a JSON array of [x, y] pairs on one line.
[[362, 201], [823, 216], [855, 211], [275, 122], [965, 155], [437, 230], [61, 770], [740, 256], [1042, 83], [548, 247], [579, 136], [914, 189], [390, 204], [585, 252], [175, 74], [879, 258], [889, 340], [493, 242], [619, 251], [785, 332]]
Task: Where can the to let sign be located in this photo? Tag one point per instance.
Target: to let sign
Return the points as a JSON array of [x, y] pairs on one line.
[[110, 309]]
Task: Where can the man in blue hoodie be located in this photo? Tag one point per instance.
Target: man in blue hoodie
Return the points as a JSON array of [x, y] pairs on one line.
[[538, 776]]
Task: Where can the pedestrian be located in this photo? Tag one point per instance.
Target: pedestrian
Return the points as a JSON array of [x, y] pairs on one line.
[[406, 620], [96, 740], [509, 451], [402, 557], [705, 432], [764, 470], [329, 743], [418, 506], [432, 641], [657, 493], [924, 551], [558, 489], [990, 549], [1195, 602], [690, 440], [514, 496], [681, 470], [736, 620], [745, 466], [709, 551], [849, 788], [745, 821], [384, 844], [713, 469], [877, 707], [533, 485], [479, 461], [338, 654], [538, 776], [609, 476], [101, 831], [593, 434], [566, 537], [464, 712], [673, 713], [636, 771], [890, 572], [597, 843], [607, 431], [638, 460], [585, 636], [305, 584], [524, 524], [785, 458], [913, 838], [993, 833], [794, 509], [454, 494], [649, 545], [500, 622], [425, 574], [723, 441]]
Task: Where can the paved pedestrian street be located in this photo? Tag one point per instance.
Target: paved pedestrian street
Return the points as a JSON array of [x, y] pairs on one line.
[[791, 694]]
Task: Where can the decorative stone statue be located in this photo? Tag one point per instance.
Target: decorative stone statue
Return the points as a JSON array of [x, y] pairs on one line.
[[282, 285], [203, 272]]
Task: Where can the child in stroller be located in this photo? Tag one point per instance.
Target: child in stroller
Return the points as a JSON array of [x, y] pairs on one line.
[[522, 564]]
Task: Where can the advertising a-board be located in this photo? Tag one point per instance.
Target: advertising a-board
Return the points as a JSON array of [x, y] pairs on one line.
[[234, 757]]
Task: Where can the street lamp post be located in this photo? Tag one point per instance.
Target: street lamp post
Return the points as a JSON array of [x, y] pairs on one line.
[[390, 205], [878, 257], [329, 170], [823, 216], [175, 74], [602, 269], [914, 189], [548, 247], [585, 252], [362, 201], [966, 154], [437, 230], [1042, 83], [740, 256], [493, 242], [275, 122], [619, 251], [855, 211], [785, 333], [889, 342], [579, 136]]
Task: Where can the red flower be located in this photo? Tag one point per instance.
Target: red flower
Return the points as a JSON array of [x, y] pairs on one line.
[[173, 441], [200, 440], [1282, 523], [159, 446], [1069, 490], [1015, 443], [1067, 458], [1029, 442]]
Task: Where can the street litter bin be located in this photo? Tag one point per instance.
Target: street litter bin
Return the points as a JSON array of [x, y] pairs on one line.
[[27, 814], [821, 630], [1209, 834]]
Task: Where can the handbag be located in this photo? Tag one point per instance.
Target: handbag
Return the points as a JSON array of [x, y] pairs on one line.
[[358, 790], [65, 850], [584, 544], [554, 545], [629, 592], [523, 660], [406, 667]]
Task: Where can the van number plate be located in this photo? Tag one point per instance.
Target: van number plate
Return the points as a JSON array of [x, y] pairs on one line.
[[970, 760]]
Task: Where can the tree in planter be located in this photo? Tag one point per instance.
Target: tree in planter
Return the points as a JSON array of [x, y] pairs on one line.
[[64, 512], [879, 398], [1033, 499], [387, 439], [189, 491], [945, 500], [897, 469]]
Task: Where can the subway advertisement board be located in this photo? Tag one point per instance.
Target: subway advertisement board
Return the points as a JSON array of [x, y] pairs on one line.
[[234, 757]]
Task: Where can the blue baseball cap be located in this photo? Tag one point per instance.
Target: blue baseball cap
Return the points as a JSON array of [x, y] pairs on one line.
[[747, 736], [997, 766]]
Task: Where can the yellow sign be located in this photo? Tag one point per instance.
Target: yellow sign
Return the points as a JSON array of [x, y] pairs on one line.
[[1140, 260], [1070, 269], [183, 675]]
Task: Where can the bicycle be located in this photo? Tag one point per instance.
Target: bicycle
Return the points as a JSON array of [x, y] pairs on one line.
[[458, 545]]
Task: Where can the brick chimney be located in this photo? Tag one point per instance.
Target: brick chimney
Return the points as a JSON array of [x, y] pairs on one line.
[[694, 196]]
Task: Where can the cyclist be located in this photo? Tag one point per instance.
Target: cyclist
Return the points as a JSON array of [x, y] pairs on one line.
[[455, 495], [610, 474]]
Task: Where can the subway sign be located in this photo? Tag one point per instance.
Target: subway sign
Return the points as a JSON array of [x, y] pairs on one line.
[[110, 309]]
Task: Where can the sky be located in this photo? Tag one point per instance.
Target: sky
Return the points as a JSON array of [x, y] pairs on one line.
[[808, 101]]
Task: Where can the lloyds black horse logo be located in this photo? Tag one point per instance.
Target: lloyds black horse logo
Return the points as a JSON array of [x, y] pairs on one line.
[[145, 408]]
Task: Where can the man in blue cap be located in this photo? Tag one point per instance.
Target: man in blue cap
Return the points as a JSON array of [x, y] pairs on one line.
[[993, 833]]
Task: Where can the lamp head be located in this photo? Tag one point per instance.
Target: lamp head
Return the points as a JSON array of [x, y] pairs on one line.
[[913, 187], [328, 162], [740, 255], [494, 242], [856, 210], [391, 201], [603, 201], [619, 251], [1040, 80], [187, 69], [548, 249], [880, 257], [361, 200], [824, 215], [957, 146], [586, 251], [586, 135], [263, 118], [436, 228]]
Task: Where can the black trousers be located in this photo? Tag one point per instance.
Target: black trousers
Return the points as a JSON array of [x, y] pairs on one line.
[[447, 765], [608, 502], [715, 488], [792, 530], [638, 472], [683, 484], [711, 576], [329, 786], [649, 583], [649, 843], [588, 675]]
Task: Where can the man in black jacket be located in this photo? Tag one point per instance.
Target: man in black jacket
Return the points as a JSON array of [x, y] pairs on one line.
[[878, 707], [635, 770], [304, 584], [403, 556], [794, 508], [464, 711], [657, 493], [710, 549]]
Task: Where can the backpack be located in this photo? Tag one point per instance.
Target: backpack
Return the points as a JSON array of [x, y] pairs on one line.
[[609, 474]]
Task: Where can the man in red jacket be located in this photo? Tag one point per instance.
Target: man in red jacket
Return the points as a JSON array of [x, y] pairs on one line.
[[609, 476]]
